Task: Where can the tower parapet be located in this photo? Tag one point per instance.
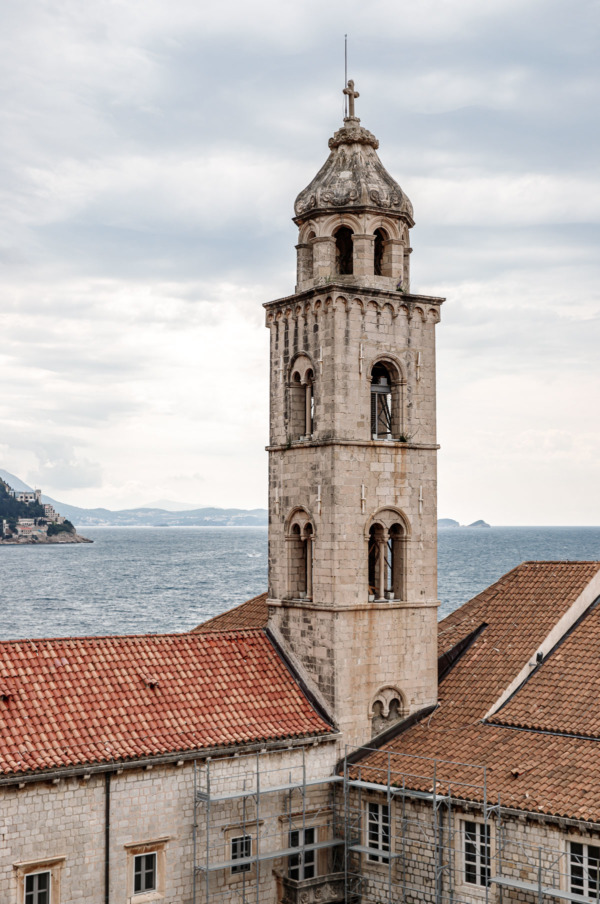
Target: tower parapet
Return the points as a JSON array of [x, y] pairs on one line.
[[352, 454]]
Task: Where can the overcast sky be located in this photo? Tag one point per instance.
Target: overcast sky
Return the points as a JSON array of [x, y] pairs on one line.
[[151, 152]]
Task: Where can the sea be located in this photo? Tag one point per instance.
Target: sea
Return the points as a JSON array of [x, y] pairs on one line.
[[145, 580]]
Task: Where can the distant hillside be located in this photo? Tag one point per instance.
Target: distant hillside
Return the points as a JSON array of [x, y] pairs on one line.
[[149, 516], [156, 517]]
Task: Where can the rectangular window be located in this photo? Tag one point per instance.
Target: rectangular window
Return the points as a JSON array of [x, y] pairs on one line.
[[477, 855], [144, 873], [378, 831], [241, 848], [37, 888], [302, 864], [584, 865]]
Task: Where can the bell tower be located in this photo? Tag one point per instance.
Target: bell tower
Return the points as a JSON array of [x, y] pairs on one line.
[[352, 452]]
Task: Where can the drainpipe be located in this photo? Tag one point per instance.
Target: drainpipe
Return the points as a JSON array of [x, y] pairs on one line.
[[107, 837]]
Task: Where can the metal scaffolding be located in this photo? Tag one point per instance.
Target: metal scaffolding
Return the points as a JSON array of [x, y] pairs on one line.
[[396, 828], [241, 797]]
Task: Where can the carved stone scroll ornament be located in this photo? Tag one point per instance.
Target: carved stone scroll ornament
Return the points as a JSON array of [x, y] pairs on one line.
[[339, 196], [392, 200], [304, 204]]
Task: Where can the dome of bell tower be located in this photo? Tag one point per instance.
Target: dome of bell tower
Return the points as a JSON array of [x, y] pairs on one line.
[[353, 218], [353, 177]]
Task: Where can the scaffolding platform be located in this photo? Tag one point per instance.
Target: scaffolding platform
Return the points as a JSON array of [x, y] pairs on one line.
[[418, 850], [270, 855]]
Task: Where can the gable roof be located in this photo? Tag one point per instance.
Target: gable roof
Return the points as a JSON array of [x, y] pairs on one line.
[[253, 613], [74, 701], [538, 743]]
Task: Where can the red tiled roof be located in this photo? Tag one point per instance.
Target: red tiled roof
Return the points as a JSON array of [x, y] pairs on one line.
[[73, 701], [563, 694], [253, 613], [544, 772]]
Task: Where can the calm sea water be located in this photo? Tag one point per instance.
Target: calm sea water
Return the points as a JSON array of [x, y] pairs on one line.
[[132, 580]]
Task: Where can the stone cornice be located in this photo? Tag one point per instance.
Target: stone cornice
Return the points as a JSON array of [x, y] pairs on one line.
[[345, 289], [355, 607], [386, 445]]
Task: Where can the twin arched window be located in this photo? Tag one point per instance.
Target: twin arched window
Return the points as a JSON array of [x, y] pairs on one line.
[[387, 561], [302, 399], [300, 559], [386, 402]]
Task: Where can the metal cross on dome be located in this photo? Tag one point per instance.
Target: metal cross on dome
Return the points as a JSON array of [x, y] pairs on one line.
[[352, 95]]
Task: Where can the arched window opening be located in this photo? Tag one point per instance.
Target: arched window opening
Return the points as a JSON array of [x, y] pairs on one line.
[[376, 562], [310, 263], [344, 251], [386, 403], [380, 240], [309, 404], [308, 558], [300, 561], [386, 562], [396, 547], [297, 568], [381, 403], [297, 406]]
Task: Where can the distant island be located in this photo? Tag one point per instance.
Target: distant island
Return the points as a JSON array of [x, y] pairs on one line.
[[449, 522], [148, 516], [24, 518]]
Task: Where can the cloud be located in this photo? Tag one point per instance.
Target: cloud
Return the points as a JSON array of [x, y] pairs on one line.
[[150, 157]]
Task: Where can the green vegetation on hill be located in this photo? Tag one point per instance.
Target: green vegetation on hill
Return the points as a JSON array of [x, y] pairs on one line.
[[65, 527], [10, 509]]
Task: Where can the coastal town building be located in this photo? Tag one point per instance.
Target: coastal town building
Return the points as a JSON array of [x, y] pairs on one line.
[[52, 515], [327, 741], [27, 495]]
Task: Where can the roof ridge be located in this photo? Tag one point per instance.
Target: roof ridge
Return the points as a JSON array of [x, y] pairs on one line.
[[171, 635]]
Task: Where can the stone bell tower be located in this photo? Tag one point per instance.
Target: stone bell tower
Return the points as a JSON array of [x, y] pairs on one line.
[[352, 453]]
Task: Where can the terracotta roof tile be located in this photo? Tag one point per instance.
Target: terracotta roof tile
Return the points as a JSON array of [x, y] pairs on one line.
[[544, 772], [96, 699], [251, 614]]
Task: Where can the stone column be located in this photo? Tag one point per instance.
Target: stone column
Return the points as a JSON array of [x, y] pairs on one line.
[[304, 262], [382, 582], [309, 568], [394, 252], [323, 256], [364, 255]]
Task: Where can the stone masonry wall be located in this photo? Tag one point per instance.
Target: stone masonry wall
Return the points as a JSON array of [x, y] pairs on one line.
[[66, 820], [342, 477], [518, 846]]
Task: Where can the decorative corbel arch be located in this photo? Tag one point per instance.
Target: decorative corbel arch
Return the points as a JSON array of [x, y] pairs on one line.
[[387, 517], [301, 363], [301, 516], [390, 226], [385, 695], [388, 707], [335, 220], [391, 361], [306, 229]]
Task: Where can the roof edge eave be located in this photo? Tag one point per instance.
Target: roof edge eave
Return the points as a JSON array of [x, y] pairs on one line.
[[184, 756]]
